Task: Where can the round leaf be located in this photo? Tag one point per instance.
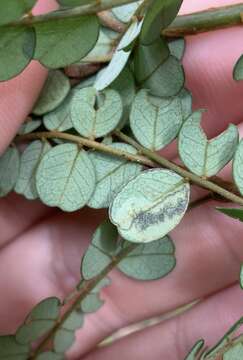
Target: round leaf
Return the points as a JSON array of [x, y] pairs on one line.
[[63, 340], [150, 205], [202, 156], [55, 90], [238, 69], [9, 170], [10, 349], [177, 48], [66, 177], [12, 10], [154, 123], [29, 127], [95, 114], [62, 42], [74, 321], [238, 167], [111, 174], [17, 46], [26, 334], [150, 261], [167, 80], [30, 159]]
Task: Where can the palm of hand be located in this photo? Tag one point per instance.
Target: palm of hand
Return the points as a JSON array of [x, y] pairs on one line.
[[41, 248]]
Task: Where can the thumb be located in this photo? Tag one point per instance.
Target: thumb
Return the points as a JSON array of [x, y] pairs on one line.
[[18, 95]]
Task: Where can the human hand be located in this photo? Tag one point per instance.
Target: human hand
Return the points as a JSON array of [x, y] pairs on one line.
[[41, 248]]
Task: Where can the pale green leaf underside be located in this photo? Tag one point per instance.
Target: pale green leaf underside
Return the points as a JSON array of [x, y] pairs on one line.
[[74, 321], [195, 350], [17, 46], [124, 13], [155, 122], [238, 167], [12, 10], [55, 90], [130, 35], [234, 353], [177, 48], [150, 205], [238, 69], [202, 156], [62, 42], [9, 170], [111, 173], [150, 261], [167, 80], [30, 159], [95, 114], [97, 257], [63, 340], [66, 177], [29, 127]]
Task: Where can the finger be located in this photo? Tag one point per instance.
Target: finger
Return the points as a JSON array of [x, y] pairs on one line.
[[18, 95], [173, 339]]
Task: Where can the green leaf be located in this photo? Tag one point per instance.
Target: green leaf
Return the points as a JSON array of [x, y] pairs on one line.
[[41, 320], [241, 276], [92, 301], [226, 339], [148, 58], [150, 261], [55, 90], [232, 212], [202, 156], [111, 174], [238, 167], [238, 69], [74, 2], [11, 350], [30, 160], [49, 355], [124, 13], [150, 205], [17, 46], [195, 350], [177, 48], [14, 9], [125, 86], [66, 177], [62, 42], [159, 15], [98, 256], [167, 80], [74, 321], [234, 353], [9, 170], [95, 114], [29, 127], [63, 340], [155, 123]]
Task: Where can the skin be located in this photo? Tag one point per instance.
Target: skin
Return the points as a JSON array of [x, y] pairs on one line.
[[40, 248]]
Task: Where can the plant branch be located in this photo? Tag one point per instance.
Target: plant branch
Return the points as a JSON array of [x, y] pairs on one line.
[[149, 158], [203, 21], [86, 288], [204, 183]]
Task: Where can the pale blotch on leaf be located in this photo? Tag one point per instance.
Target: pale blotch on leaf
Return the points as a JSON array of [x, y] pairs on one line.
[[154, 121], [96, 114], [55, 90], [66, 177], [202, 156], [150, 205], [238, 167]]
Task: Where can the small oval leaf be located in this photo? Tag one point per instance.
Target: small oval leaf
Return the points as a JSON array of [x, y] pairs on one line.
[[238, 167], [29, 127], [55, 90], [62, 42], [96, 114], [202, 156], [63, 340], [30, 160], [66, 177], [111, 174], [150, 205], [14, 9], [9, 170], [154, 122], [238, 69]]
